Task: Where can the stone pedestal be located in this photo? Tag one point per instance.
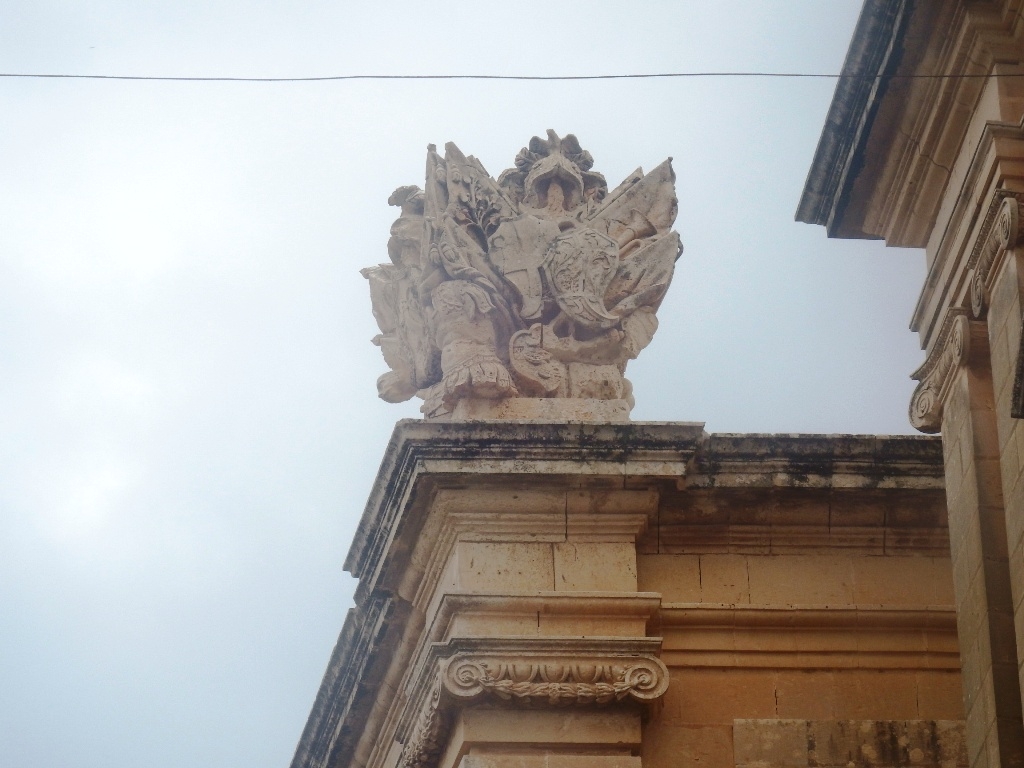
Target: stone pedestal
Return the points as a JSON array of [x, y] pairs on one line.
[[546, 409], [513, 546]]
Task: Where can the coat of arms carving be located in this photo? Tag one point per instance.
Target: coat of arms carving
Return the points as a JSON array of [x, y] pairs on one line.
[[540, 284]]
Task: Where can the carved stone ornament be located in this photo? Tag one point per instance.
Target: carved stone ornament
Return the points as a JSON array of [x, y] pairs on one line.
[[555, 682], [952, 350], [541, 284], [547, 672], [429, 735], [1000, 231]]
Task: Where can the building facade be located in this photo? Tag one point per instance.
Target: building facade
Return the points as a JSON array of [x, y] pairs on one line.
[[924, 147], [540, 594], [543, 584]]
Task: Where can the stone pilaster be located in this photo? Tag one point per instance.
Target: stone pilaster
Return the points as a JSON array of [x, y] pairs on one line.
[[498, 616], [961, 386], [997, 298]]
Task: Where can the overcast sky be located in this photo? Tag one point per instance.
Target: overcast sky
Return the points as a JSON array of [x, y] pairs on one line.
[[188, 417]]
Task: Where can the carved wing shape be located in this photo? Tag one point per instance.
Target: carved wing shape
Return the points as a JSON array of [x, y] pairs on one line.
[[643, 277], [650, 199], [579, 267]]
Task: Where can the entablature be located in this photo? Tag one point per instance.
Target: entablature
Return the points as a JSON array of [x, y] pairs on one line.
[[887, 153], [453, 498]]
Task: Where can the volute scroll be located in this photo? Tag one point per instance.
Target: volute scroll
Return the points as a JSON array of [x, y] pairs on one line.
[[1000, 232], [556, 682], [959, 340]]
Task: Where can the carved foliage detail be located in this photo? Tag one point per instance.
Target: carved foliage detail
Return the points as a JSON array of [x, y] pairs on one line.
[[428, 736]]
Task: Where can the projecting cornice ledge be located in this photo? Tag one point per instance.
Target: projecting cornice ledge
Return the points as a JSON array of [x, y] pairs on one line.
[[511, 449], [875, 50], [358, 663]]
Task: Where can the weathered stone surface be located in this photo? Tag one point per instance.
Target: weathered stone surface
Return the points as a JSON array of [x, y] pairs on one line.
[[541, 409], [504, 760], [770, 743], [520, 598], [541, 285], [932, 159], [846, 743]]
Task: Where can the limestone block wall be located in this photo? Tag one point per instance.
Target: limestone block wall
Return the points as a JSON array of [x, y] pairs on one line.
[[824, 744], [795, 604], [936, 161], [545, 595]]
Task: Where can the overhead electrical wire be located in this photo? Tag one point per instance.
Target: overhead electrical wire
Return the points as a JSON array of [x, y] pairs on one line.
[[641, 76]]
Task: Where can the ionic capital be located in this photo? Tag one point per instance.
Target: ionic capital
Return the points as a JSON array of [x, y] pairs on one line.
[[999, 233], [518, 672], [958, 340], [555, 681]]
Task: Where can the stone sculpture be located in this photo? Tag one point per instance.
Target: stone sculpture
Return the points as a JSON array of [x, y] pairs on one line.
[[540, 284]]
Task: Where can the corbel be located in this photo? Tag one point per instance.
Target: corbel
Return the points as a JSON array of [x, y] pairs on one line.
[[958, 338]]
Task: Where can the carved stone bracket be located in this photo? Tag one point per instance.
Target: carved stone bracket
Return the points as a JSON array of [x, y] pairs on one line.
[[540, 672], [957, 338], [1000, 232]]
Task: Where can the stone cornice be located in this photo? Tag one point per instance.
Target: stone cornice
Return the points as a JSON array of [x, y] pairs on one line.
[[360, 659], [417, 448], [893, 151], [796, 539], [408, 517], [815, 461], [807, 637], [958, 253], [634, 604], [875, 49], [853, 617]]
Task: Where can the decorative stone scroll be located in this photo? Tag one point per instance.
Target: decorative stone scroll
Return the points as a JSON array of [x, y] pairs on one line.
[[542, 672], [1000, 231], [556, 682], [540, 284], [957, 339]]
